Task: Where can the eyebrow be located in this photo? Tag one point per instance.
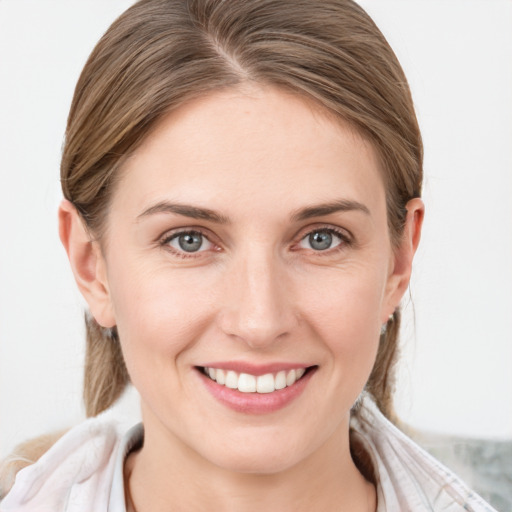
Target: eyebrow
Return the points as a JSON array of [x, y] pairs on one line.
[[320, 210], [194, 212]]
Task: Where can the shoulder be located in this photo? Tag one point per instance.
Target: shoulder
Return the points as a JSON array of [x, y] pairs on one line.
[[407, 476], [23, 455], [75, 474]]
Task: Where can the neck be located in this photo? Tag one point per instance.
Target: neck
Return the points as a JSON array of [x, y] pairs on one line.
[[327, 480]]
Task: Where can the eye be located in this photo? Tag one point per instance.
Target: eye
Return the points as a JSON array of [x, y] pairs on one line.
[[188, 241], [322, 240]]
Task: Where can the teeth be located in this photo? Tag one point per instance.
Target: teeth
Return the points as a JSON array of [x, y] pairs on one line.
[[221, 377], [280, 380], [291, 377], [247, 383], [265, 383], [231, 380]]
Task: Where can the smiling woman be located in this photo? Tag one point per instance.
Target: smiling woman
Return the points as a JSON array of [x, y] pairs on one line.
[[242, 207], [271, 286]]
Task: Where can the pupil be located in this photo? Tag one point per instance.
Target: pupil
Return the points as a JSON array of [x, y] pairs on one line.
[[320, 240], [190, 242]]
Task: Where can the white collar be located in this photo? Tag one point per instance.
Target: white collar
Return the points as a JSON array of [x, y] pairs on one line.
[[409, 479]]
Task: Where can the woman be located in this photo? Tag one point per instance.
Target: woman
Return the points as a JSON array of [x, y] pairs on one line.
[[242, 184]]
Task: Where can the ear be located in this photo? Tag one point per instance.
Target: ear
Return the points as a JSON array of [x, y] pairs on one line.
[[401, 264], [87, 263]]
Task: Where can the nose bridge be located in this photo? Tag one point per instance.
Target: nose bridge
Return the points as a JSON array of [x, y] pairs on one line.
[[259, 308]]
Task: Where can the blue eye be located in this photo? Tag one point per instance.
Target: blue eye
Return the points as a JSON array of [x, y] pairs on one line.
[[321, 240], [189, 241]]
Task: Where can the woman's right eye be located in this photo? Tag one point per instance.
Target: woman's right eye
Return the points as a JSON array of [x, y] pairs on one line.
[[188, 242]]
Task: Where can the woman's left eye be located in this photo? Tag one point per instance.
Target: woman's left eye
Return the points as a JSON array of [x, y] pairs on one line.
[[322, 240], [188, 242]]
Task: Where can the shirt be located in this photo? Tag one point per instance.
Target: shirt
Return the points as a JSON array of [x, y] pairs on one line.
[[83, 471]]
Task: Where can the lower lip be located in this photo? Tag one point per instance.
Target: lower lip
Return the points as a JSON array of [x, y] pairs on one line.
[[256, 403]]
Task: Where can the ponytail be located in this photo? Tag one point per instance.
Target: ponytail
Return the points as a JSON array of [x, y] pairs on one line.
[[381, 384], [105, 374]]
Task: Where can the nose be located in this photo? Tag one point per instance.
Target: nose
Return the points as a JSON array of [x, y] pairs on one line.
[[258, 305]]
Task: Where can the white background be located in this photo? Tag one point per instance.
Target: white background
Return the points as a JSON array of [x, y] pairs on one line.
[[456, 374]]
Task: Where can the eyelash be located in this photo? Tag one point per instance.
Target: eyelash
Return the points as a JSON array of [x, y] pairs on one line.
[[345, 241]]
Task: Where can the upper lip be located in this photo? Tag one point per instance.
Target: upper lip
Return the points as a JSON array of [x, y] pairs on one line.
[[253, 368]]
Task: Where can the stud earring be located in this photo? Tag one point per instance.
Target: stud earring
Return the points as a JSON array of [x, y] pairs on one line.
[[384, 327]]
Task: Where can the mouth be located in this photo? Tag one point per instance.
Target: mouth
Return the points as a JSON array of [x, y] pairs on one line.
[[249, 383], [250, 389]]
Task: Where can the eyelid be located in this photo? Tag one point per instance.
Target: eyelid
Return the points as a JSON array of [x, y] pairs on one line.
[[343, 233]]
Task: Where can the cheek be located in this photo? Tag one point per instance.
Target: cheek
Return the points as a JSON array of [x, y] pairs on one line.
[[159, 311], [344, 309]]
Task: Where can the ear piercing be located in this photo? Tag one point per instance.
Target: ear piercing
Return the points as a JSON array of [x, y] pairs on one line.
[[384, 327]]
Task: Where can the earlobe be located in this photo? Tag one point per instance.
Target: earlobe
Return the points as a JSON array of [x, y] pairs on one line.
[[87, 263], [400, 274]]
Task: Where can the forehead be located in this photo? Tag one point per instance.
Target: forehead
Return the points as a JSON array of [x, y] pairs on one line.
[[253, 143]]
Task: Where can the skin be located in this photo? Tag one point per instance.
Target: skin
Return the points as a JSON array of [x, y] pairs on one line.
[[256, 292]]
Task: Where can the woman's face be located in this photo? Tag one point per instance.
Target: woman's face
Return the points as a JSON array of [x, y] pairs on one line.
[[248, 236]]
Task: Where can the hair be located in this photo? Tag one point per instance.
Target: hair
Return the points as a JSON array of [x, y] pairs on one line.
[[161, 54]]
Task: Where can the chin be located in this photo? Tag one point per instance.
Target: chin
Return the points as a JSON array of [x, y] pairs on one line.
[[264, 454]]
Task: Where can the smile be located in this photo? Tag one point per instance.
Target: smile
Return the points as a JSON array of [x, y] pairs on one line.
[[252, 389], [247, 383]]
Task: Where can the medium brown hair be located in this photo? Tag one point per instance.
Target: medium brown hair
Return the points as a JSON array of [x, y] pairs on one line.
[[162, 53]]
